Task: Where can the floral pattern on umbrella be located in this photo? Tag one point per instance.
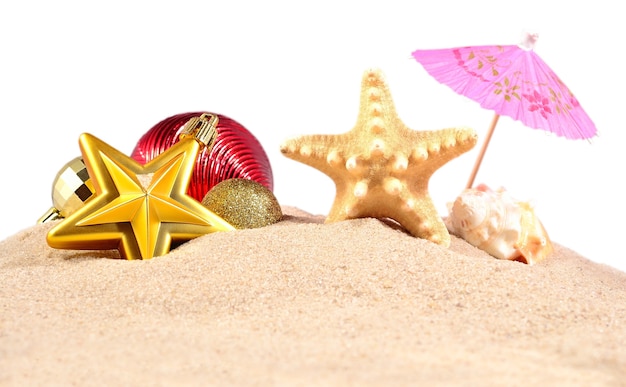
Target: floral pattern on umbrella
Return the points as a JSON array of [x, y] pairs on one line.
[[511, 80]]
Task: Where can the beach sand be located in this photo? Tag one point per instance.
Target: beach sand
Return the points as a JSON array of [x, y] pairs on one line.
[[300, 302]]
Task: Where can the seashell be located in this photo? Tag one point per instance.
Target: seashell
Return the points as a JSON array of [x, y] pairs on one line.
[[493, 221]]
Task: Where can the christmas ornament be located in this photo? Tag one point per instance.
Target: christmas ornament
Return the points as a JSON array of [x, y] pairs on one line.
[[236, 153], [381, 168], [140, 209], [243, 203], [72, 187]]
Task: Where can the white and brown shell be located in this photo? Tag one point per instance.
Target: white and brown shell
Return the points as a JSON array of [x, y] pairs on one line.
[[495, 222]]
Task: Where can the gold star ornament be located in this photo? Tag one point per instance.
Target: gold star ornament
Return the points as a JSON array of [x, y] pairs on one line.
[[140, 209], [381, 168]]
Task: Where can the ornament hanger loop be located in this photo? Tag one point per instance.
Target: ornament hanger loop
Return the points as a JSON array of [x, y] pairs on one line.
[[203, 129]]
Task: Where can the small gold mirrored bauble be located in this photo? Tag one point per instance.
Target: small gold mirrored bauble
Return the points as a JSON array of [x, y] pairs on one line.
[[71, 188], [243, 203]]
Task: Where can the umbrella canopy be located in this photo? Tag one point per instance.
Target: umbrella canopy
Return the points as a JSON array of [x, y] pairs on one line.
[[511, 80]]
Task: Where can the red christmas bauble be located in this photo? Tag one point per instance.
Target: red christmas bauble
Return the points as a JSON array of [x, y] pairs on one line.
[[236, 153]]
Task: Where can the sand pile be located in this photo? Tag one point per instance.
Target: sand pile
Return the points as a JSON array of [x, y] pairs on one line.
[[300, 302]]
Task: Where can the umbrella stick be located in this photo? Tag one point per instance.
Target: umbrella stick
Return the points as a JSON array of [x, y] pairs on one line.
[[479, 159]]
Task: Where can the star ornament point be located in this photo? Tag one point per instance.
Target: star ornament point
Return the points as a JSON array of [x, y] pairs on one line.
[[381, 168], [138, 209]]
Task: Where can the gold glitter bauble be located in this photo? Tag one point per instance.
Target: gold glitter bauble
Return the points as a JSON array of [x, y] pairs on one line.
[[243, 203]]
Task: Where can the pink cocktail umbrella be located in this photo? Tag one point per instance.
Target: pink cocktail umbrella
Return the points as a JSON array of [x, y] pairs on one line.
[[513, 81]]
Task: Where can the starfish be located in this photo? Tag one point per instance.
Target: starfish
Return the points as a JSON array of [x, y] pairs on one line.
[[381, 168], [138, 209]]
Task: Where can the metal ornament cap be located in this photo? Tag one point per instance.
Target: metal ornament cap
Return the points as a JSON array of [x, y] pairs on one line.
[[202, 128], [138, 209]]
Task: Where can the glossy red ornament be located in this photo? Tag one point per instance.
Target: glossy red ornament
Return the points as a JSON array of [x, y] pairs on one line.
[[236, 153]]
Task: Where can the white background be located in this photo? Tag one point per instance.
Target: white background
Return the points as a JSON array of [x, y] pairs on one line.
[[116, 68]]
